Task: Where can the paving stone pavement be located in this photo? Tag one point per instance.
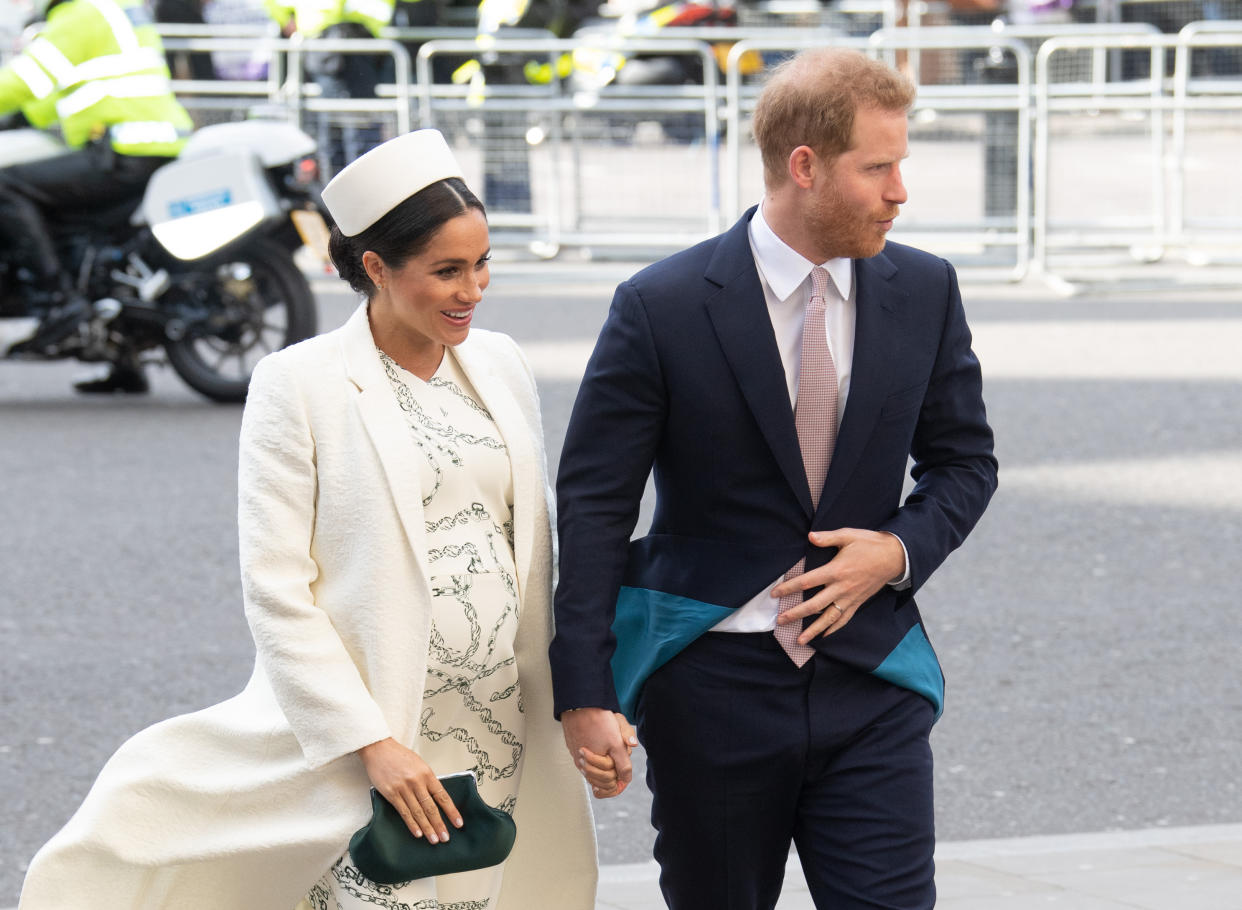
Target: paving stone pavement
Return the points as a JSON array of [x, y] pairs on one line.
[[1197, 868], [1166, 749]]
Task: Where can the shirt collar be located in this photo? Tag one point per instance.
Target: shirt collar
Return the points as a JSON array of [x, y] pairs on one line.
[[784, 269]]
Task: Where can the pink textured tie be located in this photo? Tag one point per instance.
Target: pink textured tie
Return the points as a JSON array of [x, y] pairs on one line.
[[815, 417]]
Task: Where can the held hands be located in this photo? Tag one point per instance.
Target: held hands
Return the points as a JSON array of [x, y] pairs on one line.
[[408, 782], [600, 742], [865, 562]]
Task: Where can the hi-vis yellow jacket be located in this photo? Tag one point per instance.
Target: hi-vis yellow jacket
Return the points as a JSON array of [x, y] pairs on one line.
[[98, 67], [313, 16]]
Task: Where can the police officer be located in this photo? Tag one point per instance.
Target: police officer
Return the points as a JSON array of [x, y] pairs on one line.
[[339, 75], [506, 155], [98, 69]]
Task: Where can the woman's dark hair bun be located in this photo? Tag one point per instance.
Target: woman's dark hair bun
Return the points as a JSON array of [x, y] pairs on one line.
[[348, 262]]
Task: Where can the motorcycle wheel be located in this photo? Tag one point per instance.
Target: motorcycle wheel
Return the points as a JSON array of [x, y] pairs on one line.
[[248, 303]]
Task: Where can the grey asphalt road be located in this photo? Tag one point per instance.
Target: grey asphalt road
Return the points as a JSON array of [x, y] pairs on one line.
[[1088, 629]]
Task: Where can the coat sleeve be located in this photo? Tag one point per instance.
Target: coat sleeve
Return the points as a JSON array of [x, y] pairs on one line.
[[610, 445], [16, 78], [954, 468], [316, 682]]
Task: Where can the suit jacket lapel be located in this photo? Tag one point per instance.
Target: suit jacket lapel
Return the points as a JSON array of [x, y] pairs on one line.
[[500, 403], [740, 317], [386, 425], [875, 338]]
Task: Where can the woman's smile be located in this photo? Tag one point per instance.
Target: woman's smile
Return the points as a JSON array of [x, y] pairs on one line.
[[429, 302]]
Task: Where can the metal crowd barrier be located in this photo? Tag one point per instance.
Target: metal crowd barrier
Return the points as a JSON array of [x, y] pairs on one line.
[[1095, 65], [1207, 235], [1131, 197], [1098, 218], [1037, 162], [575, 151], [221, 98], [992, 113], [286, 88], [852, 17], [969, 171]]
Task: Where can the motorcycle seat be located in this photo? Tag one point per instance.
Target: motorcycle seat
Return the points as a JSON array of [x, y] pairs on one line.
[[107, 216]]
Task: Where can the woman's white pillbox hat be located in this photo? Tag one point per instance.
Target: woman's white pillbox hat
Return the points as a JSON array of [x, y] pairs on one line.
[[374, 184]]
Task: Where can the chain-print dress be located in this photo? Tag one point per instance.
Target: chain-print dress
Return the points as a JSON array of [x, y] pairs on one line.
[[472, 706]]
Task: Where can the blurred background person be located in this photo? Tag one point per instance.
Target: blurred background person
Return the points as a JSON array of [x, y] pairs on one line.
[[185, 64], [240, 64], [338, 74]]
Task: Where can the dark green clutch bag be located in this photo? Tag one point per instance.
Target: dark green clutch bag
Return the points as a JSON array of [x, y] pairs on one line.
[[386, 852]]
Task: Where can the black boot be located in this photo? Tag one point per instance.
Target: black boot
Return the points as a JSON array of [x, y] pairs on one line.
[[60, 323], [125, 378]]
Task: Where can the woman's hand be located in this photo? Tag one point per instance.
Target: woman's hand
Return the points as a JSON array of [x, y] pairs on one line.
[[408, 782]]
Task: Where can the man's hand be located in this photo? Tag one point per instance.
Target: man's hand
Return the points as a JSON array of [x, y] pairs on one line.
[[600, 743], [865, 562]]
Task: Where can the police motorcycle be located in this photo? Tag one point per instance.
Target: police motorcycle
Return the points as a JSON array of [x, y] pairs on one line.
[[199, 269]]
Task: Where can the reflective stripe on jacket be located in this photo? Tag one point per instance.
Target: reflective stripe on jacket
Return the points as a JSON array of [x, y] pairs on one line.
[[313, 16], [99, 67]]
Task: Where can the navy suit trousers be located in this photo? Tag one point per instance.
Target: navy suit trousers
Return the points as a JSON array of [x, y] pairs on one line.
[[747, 753]]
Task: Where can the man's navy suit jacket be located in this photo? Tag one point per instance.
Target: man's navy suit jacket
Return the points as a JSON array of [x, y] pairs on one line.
[[686, 379]]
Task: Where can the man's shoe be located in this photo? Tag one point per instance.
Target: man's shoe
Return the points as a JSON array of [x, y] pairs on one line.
[[58, 325], [121, 379]]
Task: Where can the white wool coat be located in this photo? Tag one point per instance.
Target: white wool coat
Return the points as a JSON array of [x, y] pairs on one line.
[[244, 805]]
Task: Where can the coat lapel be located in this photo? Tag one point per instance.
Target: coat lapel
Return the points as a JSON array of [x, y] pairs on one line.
[[386, 425], [499, 401], [875, 338], [740, 317]]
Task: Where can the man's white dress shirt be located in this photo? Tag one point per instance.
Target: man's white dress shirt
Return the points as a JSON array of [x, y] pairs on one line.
[[786, 279]]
